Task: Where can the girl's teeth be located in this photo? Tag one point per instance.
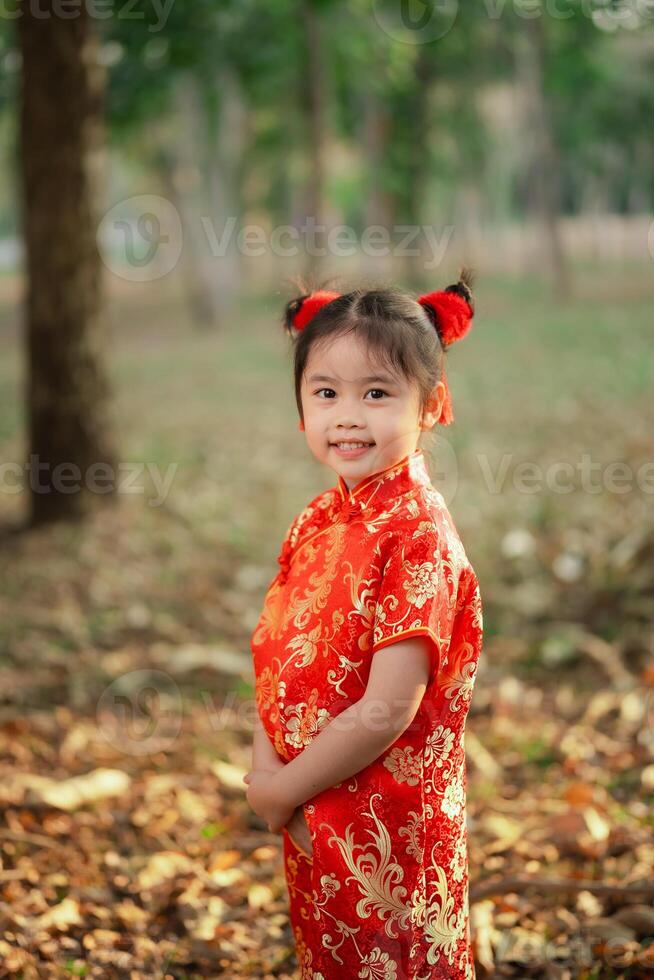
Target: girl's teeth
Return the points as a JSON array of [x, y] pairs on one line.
[[352, 445]]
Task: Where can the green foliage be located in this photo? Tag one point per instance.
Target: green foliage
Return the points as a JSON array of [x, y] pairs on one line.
[[428, 99], [538, 752]]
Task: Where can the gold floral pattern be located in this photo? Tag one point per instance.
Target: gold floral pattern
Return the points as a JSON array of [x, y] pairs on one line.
[[422, 583], [406, 767], [304, 721], [378, 966], [385, 894], [438, 746], [453, 798]]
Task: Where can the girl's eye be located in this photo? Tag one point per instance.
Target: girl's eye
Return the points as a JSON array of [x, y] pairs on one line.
[[379, 390]]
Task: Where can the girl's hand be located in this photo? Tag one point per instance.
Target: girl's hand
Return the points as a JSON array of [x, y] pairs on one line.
[[264, 799], [299, 831]]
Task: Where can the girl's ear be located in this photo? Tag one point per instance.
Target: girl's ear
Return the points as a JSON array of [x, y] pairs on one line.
[[433, 409], [301, 426]]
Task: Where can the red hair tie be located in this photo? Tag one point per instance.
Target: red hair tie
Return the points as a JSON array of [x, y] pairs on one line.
[[451, 311], [309, 306]]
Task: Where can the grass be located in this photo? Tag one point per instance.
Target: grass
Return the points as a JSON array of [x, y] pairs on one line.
[[533, 380]]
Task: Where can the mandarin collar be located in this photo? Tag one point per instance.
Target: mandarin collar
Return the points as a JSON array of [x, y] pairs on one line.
[[387, 484], [377, 490]]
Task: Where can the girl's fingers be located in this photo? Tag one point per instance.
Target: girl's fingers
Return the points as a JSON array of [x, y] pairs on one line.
[[299, 833]]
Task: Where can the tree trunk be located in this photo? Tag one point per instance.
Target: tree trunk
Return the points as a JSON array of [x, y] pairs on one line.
[[185, 183], [227, 140], [314, 122], [425, 75], [377, 132], [72, 462], [545, 160]]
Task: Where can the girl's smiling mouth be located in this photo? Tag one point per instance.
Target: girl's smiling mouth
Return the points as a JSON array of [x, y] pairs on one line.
[[350, 448]]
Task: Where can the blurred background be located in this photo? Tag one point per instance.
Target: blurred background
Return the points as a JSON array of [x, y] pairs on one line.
[[167, 169]]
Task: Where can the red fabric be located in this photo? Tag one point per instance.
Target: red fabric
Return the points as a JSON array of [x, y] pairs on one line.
[[453, 312], [311, 305], [454, 317], [386, 892]]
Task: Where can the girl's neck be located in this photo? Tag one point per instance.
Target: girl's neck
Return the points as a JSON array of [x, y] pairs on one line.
[[352, 482]]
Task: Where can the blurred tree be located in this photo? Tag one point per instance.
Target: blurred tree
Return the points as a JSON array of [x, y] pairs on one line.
[[564, 68], [179, 100], [313, 102], [532, 57], [61, 151]]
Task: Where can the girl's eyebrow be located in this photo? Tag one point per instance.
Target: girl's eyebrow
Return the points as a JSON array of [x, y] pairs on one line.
[[383, 378]]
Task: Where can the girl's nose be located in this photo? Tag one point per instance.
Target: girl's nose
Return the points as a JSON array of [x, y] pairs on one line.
[[350, 419]]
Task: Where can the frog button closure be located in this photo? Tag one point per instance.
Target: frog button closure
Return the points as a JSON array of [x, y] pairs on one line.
[[351, 508]]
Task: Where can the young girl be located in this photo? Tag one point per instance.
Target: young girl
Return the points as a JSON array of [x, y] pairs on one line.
[[366, 651]]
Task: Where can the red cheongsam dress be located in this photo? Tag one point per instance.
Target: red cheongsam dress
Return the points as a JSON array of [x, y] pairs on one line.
[[385, 894]]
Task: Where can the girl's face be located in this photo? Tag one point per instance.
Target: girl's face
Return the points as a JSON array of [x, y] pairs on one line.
[[349, 398]]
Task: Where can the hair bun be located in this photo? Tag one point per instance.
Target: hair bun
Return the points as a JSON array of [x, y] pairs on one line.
[[463, 287], [300, 311], [451, 310], [291, 310]]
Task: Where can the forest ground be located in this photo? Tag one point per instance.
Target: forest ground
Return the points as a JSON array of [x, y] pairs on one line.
[[124, 643]]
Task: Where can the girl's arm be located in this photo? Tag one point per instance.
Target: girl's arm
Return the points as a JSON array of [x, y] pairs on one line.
[[360, 734], [264, 754]]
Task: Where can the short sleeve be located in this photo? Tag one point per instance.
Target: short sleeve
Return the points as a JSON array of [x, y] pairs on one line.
[[413, 595]]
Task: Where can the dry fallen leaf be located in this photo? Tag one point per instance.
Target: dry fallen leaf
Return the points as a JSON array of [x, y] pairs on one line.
[[71, 794]]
